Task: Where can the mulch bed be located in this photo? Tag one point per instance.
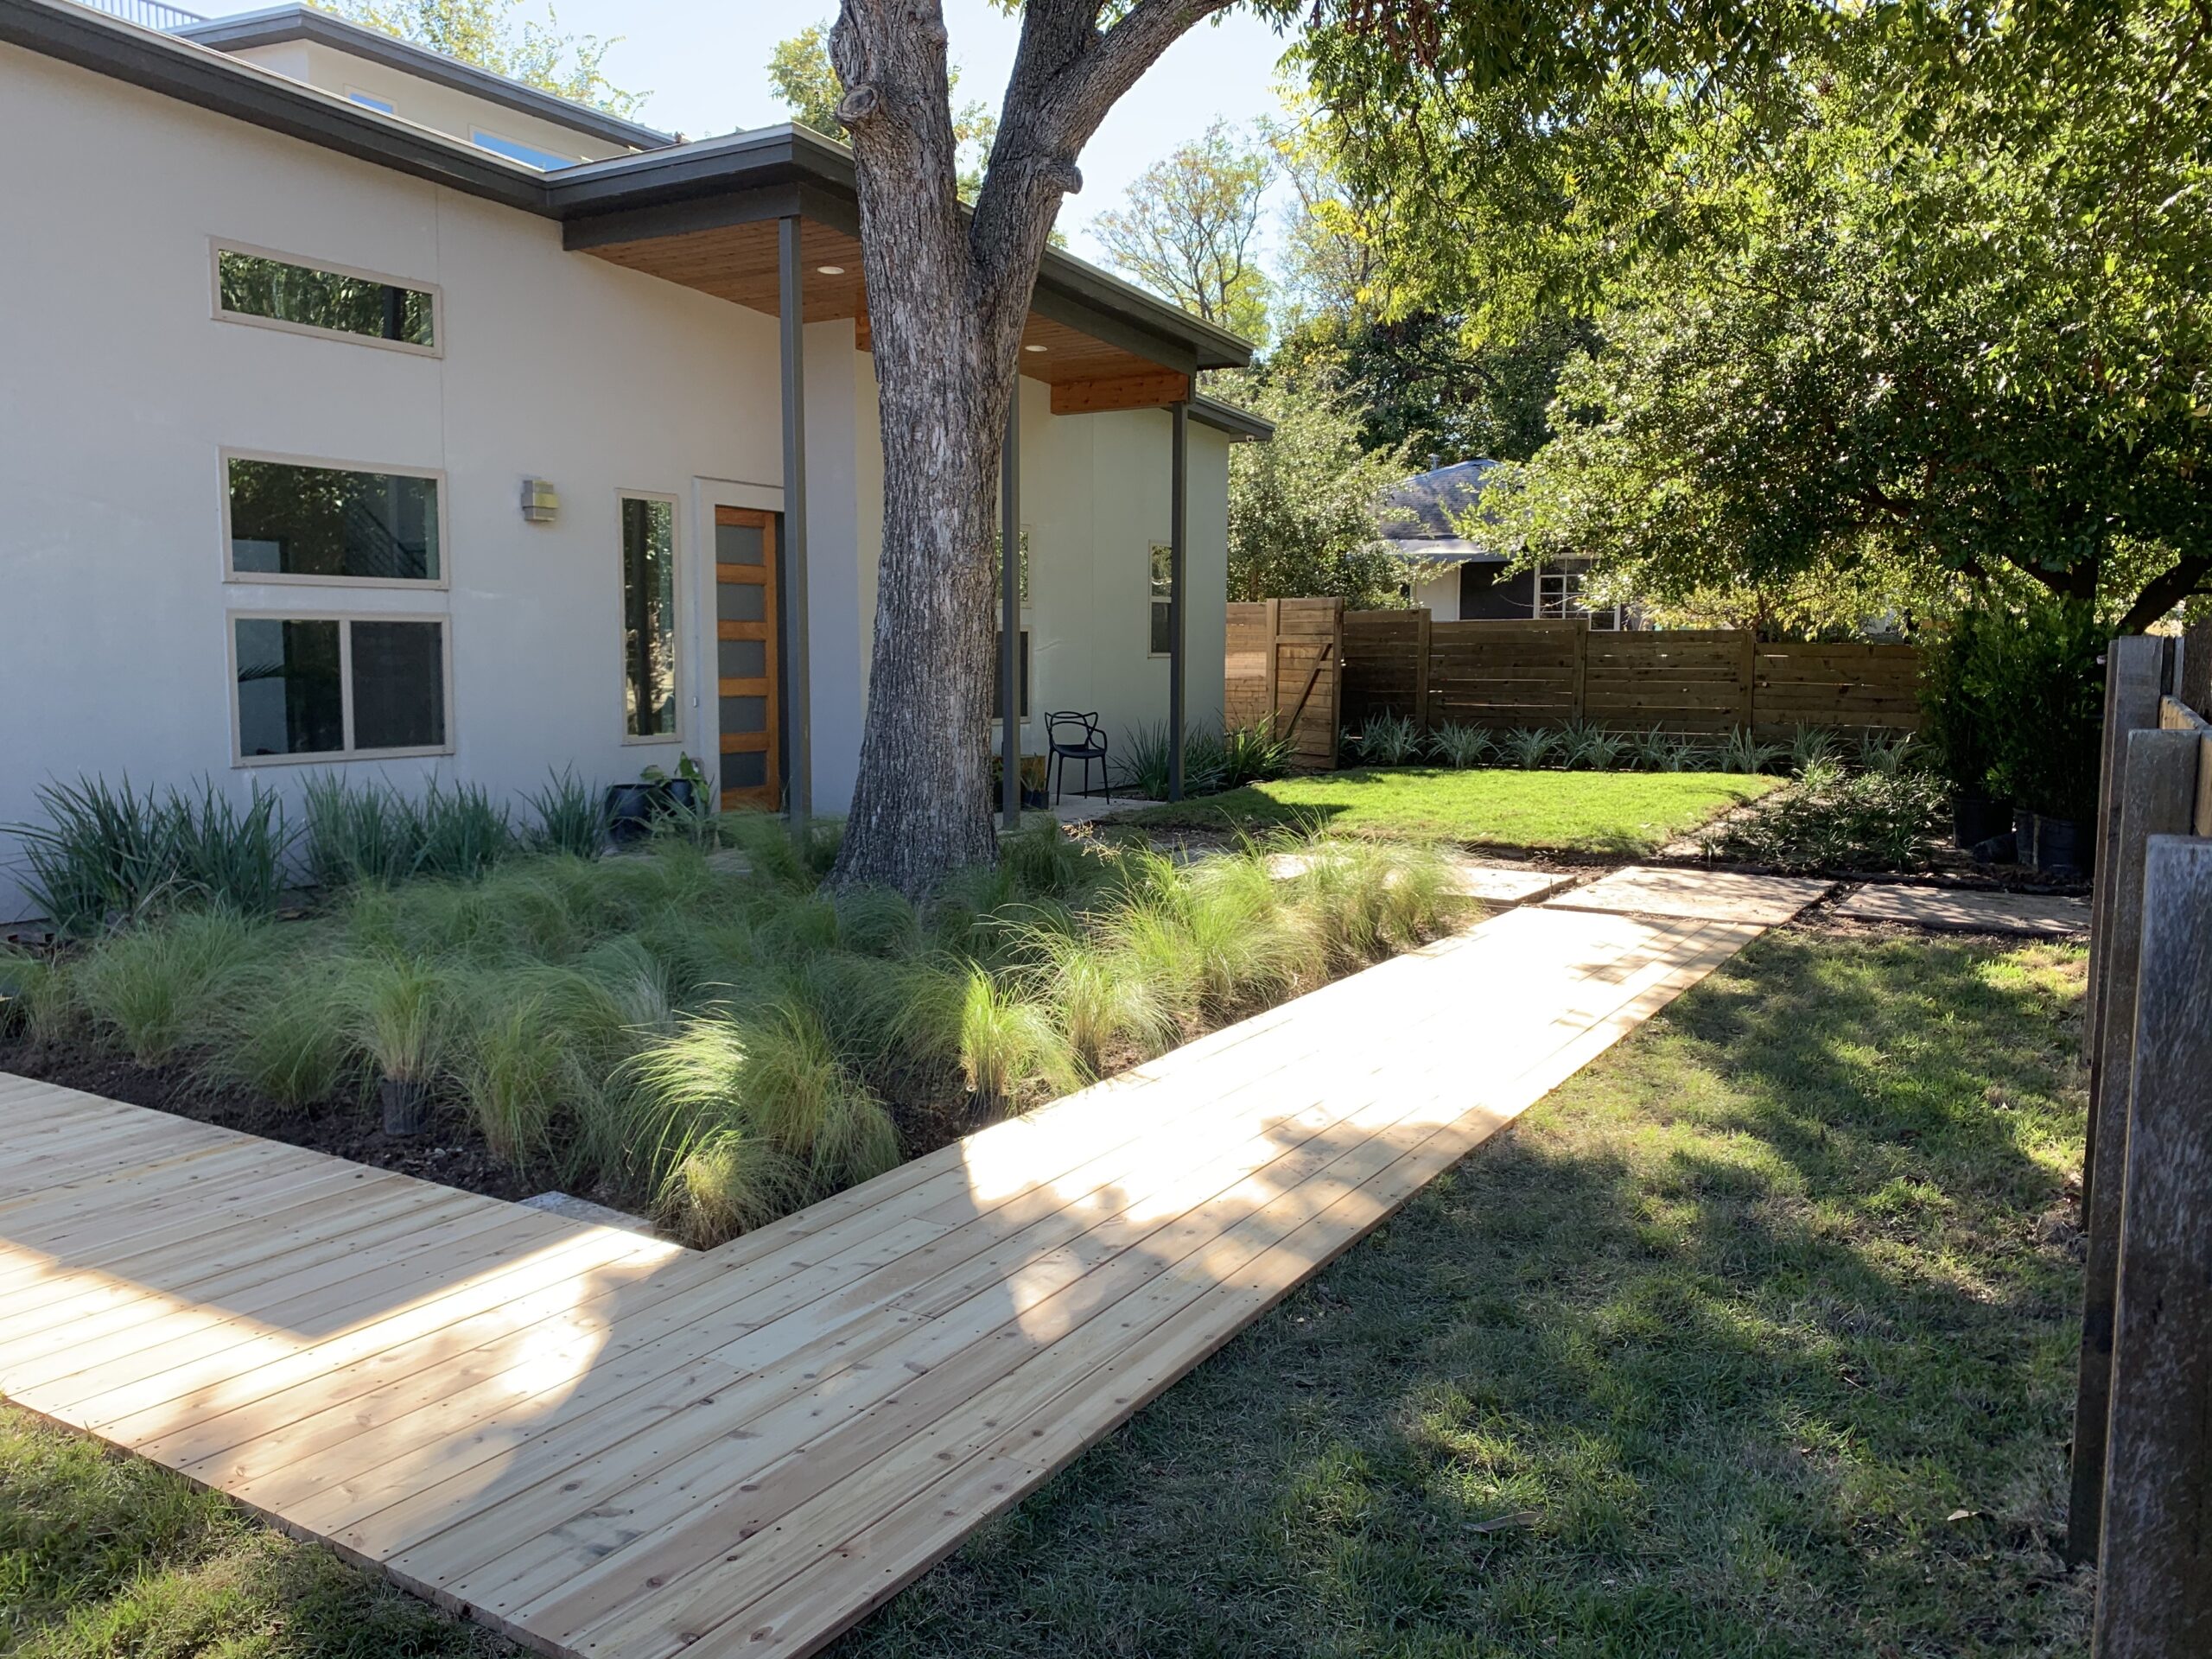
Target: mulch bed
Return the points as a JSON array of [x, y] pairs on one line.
[[452, 1153]]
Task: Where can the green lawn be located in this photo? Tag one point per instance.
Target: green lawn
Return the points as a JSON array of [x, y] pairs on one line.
[[1701, 1359], [1628, 813]]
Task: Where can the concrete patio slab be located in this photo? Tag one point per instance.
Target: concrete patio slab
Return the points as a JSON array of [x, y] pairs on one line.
[[1695, 895], [1953, 910]]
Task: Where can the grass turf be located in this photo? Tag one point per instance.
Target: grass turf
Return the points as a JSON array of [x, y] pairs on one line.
[[1626, 813], [1702, 1358]]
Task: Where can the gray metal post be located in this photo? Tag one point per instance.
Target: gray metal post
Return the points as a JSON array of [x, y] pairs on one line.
[[791, 318], [1010, 614], [1178, 493]]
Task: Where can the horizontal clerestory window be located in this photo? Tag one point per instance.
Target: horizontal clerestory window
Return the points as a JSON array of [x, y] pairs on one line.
[[261, 288], [328, 686], [291, 521]]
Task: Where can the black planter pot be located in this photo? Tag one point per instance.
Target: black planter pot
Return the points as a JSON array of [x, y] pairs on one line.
[[406, 1106], [2024, 836], [629, 812], [1976, 818], [2061, 846], [1035, 797]]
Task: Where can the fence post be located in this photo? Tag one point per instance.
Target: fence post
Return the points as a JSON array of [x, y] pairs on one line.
[[1581, 662], [1421, 668], [1273, 704], [2135, 668], [1747, 680], [2154, 788], [2154, 1578]]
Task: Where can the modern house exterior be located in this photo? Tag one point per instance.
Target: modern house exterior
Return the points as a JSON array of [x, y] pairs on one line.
[[1464, 582], [361, 409]]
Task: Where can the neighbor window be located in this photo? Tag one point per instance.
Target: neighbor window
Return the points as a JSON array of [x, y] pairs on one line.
[[529, 154], [648, 616], [324, 686], [1163, 599], [256, 285], [289, 522]]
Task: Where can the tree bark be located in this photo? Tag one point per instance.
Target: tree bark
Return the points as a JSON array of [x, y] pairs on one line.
[[948, 294]]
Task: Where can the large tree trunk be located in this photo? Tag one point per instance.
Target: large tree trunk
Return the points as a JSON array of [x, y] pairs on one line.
[[947, 298]]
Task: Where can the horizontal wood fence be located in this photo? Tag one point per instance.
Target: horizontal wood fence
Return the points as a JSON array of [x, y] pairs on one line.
[[2142, 1452], [1546, 673], [1284, 669]]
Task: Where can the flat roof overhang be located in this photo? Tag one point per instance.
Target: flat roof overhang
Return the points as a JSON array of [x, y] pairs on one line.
[[702, 214]]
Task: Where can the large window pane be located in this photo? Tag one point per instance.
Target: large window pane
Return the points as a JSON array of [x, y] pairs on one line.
[[649, 617], [290, 698], [323, 521], [254, 285], [399, 686]]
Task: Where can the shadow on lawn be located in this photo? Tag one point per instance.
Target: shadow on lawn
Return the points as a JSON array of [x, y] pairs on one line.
[[1701, 1359]]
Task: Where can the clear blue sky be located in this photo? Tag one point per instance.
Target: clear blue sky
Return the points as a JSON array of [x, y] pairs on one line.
[[705, 63]]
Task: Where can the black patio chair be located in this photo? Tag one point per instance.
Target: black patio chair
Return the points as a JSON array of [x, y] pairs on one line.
[[1073, 736]]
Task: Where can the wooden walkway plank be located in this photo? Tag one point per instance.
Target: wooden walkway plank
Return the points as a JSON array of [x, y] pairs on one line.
[[609, 1447]]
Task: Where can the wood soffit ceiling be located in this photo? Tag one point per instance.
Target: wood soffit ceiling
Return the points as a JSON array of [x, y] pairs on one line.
[[738, 262]]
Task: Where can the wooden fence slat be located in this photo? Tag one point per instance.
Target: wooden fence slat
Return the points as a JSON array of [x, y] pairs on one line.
[[2154, 1580], [2135, 666], [2155, 784]]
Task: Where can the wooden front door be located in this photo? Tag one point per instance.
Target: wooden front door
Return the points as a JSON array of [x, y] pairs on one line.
[[745, 657]]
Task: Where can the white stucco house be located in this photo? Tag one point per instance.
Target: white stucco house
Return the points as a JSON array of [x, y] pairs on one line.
[[362, 410]]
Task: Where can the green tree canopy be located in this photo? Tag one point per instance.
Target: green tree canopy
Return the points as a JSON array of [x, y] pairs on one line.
[[487, 33], [1189, 228], [1306, 512], [1926, 297]]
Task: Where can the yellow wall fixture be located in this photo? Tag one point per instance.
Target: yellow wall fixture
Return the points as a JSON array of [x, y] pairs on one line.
[[540, 502]]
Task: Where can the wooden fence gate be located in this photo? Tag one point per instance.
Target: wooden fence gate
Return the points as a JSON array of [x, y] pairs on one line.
[[1284, 668], [2141, 1499]]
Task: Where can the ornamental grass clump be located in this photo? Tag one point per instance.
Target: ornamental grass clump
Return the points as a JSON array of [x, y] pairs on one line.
[[152, 990]]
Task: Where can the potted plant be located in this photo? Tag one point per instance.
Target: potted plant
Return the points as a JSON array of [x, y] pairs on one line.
[[399, 1015], [633, 809], [1956, 722]]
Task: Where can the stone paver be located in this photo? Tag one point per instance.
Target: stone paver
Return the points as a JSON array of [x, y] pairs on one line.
[[1696, 895], [1953, 910]]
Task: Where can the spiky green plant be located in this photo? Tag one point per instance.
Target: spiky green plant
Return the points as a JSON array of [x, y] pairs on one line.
[[1741, 752], [355, 833], [1254, 754], [156, 989], [1043, 859], [1887, 755], [571, 817], [1389, 739], [1530, 747], [1812, 745], [1461, 746], [106, 854], [1655, 751], [460, 831]]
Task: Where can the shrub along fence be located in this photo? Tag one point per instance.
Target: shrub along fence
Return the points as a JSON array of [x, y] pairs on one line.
[[2142, 1456]]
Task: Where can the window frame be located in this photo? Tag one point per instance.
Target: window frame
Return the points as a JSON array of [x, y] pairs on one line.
[[233, 576], [219, 246], [677, 620], [1153, 601], [345, 621]]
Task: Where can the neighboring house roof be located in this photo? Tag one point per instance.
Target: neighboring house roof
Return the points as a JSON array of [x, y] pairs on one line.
[[1425, 504], [657, 191], [279, 24]]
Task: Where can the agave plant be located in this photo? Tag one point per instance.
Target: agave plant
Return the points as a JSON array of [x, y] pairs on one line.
[[1529, 746], [1461, 746], [1389, 740], [1741, 752], [1810, 746]]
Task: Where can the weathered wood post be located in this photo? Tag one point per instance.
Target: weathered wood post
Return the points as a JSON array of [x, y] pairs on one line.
[[1422, 622], [2154, 1581], [2135, 669]]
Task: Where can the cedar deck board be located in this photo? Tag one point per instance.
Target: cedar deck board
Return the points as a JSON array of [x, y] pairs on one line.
[[606, 1445]]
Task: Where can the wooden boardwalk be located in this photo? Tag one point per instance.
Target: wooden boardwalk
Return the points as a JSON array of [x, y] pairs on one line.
[[607, 1446]]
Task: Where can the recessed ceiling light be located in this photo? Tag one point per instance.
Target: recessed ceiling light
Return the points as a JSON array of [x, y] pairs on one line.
[[1033, 349], [831, 271]]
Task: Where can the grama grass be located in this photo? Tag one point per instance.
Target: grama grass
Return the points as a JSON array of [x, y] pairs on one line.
[[153, 990], [1011, 1050], [273, 1031]]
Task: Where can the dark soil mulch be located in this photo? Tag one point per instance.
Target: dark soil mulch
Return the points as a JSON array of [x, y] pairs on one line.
[[452, 1153]]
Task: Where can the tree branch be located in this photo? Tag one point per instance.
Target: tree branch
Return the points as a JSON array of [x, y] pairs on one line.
[[2184, 577]]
